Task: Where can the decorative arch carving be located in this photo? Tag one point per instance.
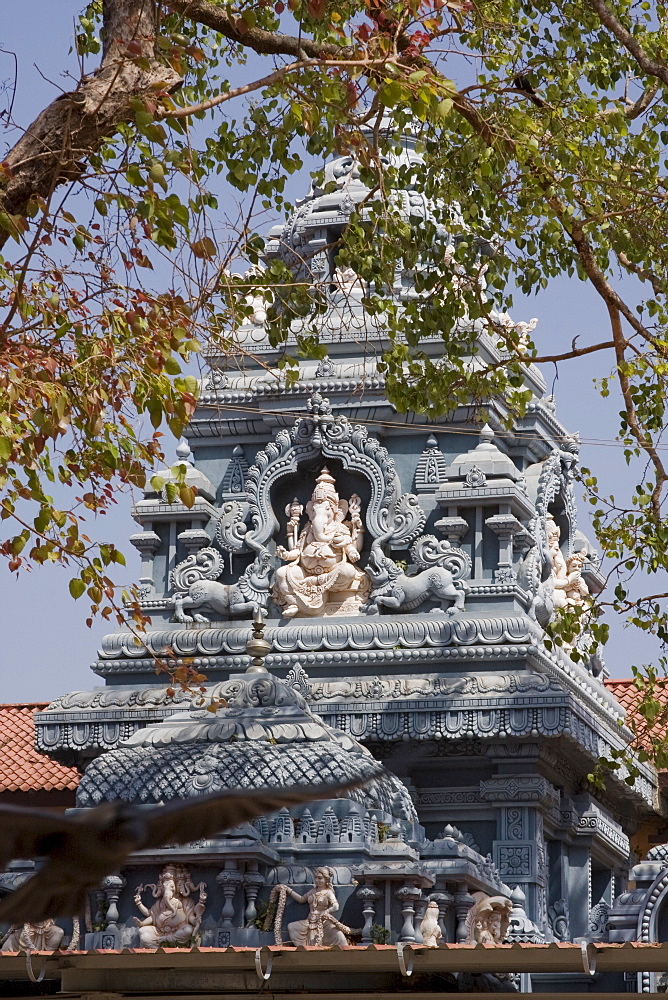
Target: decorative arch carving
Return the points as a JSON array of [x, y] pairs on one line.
[[392, 517], [647, 929]]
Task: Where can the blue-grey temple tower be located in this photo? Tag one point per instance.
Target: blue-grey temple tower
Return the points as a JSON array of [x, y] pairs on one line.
[[405, 570]]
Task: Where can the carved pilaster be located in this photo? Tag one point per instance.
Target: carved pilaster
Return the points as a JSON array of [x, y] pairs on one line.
[[148, 543], [111, 886], [408, 896], [253, 882], [369, 897], [463, 903], [229, 881]]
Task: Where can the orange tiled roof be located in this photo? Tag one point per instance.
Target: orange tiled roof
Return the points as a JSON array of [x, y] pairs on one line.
[[625, 691], [22, 768], [628, 696]]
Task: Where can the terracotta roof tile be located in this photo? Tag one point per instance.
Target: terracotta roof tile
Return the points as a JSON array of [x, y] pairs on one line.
[[625, 691], [628, 695], [22, 768]]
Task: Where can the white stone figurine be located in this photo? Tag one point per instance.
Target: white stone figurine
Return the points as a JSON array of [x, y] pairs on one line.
[[488, 919], [321, 926], [45, 935], [321, 577], [174, 916], [429, 927]]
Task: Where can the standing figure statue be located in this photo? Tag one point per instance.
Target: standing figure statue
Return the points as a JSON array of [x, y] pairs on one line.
[[321, 926], [430, 930], [174, 916], [321, 577]]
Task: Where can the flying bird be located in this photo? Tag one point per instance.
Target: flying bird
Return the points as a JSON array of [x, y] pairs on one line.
[[80, 850]]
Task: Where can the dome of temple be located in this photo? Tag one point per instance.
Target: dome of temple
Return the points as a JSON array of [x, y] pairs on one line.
[[193, 477], [304, 241], [485, 458], [265, 736]]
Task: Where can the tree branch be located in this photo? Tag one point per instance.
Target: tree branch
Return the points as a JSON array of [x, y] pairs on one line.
[[258, 39], [641, 436], [266, 81], [630, 43], [55, 148]]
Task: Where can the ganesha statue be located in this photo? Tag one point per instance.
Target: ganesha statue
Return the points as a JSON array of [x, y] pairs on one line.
[[174, 918], [321, 576]]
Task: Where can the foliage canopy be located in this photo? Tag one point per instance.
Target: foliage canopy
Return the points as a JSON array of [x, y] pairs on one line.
[[543, 122]]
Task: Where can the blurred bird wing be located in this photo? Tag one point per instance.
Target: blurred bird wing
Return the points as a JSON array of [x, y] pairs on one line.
[[204, 816], [49, 893], [29, 833]]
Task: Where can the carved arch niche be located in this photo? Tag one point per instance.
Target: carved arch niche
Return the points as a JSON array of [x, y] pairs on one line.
[[301, 486], [391, 518]]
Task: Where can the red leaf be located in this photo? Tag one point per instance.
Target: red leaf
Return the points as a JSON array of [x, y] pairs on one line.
[[317, 9]]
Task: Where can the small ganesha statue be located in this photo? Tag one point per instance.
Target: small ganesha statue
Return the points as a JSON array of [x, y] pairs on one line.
[[488, 920], [174, 917], [321, 576]]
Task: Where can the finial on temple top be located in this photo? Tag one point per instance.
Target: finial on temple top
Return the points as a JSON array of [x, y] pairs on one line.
[[257, 646]]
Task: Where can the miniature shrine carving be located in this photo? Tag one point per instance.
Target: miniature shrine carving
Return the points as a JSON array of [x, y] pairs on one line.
[[174, 917], [321, 576]]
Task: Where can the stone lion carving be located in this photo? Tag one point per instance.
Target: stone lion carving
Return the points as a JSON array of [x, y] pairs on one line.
[[321, 576], [174, 916], [228, 599], [392, 588]]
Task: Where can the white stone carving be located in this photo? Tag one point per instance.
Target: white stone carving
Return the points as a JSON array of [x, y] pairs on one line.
[[569, 589], [572, 591], [321, 577], [347, 281], [522, 331], [174, 917], [45, 935], [429, 928], [488, 920], [228, 599], [320, 927]]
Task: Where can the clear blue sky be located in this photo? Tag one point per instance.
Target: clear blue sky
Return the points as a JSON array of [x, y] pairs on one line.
[[46, 646]]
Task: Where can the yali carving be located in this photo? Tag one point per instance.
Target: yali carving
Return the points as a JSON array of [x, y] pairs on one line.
[[392, 588], [228, 599]]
